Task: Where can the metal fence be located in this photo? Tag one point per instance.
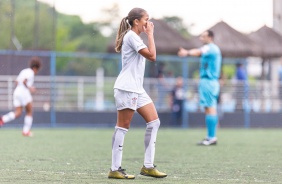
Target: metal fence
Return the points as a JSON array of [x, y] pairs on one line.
[[77, 93], [66, 92], [82, 93]]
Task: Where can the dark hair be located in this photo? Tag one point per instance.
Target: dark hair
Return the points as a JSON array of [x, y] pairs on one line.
[[35, 62], [210, 33], [126, 24]]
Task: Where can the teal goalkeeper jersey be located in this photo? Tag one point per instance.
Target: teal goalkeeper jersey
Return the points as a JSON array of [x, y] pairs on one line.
[[210, 62]]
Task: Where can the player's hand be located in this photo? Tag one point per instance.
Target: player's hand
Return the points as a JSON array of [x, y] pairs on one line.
[[149, 28], [182, 52], [32, 89]]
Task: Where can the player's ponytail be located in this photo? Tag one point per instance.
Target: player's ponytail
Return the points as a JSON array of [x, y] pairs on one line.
[[123, 28], [126, 24]]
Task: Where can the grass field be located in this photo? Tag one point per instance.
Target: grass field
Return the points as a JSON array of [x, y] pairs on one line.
[[84, 156]]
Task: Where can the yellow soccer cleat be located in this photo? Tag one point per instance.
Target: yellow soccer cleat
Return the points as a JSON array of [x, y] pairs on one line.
[[153, 172], [120, 174]]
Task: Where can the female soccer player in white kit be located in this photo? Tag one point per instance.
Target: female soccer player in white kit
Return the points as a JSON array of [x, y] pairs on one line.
[[129, 92], [22, 96]]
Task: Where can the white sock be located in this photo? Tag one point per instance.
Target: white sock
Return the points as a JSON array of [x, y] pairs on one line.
[[117, 147], [9, 117], [150, 142], [27, 124]]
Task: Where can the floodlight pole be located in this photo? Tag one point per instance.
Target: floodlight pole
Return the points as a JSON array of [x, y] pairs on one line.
[[36, 25], [54, 26], [12, 23]]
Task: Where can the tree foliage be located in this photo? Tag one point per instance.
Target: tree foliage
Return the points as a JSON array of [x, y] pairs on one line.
[[177, 23], [36, 26]]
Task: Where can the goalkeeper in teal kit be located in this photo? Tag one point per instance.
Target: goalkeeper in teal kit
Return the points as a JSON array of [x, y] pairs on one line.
[[210, 66]]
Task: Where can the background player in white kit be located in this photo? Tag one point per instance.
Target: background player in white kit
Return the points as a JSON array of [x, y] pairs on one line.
[[22, 96], [129, 92]]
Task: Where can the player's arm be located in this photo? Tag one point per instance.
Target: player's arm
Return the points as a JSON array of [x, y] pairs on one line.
[[149, 52], [31, 88], [192, 52], [25, 83]]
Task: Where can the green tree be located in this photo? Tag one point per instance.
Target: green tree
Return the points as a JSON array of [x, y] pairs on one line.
[[24, 16], [111, 20], [34, 23], [177, 23], [5, 16], [33, 26]]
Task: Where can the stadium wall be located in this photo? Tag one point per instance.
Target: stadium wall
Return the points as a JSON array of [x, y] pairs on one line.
[[108, 119]]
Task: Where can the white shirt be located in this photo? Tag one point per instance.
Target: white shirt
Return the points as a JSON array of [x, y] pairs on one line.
[[131, 76], [25, 74]]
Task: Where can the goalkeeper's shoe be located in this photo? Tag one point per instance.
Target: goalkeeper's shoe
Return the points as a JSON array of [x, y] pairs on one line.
[[120, 174], [208, 142], [153, 172]]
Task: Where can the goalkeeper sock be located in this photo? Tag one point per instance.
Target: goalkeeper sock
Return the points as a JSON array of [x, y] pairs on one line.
[[211, 123]]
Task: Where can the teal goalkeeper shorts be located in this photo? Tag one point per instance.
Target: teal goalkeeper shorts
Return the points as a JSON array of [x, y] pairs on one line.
[[208, 92]]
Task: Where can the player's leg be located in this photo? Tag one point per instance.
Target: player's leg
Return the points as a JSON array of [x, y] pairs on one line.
[[123, 122], [208, 92], [11, 115], [148, 111], [211, 124], [124, 117], [28, 119], [18, 104]]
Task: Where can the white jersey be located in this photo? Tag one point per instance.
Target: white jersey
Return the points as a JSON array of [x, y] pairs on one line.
[[22, 94], [131, 76], [25, 74]]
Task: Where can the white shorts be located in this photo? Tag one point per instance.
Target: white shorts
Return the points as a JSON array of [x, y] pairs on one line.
[[130, 100], [21, 98]]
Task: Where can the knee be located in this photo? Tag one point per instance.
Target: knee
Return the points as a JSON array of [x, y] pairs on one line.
[[18, 114], [211, 111], [29, 113], [155, 123], [124, 124]]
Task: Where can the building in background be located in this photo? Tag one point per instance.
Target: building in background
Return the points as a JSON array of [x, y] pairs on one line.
[[277, 26], [277, 15]]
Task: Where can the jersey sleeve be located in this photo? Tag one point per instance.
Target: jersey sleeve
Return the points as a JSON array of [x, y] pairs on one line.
[[19, 77], [136, 43], [30, 79]]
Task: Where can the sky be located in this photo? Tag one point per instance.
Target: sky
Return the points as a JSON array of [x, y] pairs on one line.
[[243, 15]]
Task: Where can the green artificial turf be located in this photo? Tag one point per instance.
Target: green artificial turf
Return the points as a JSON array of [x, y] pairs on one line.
[[84, 156]]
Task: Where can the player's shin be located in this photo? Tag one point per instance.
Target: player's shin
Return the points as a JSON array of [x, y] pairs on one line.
[[27, 124], [8, 117], [117, 147], [150, 141], [211, 123]]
